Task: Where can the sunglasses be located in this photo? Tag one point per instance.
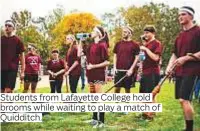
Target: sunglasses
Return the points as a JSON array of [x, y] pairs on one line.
[[7, 25], [54, 52]]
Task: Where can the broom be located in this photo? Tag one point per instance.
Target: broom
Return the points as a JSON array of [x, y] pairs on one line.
[[116, 83], [156, 90]]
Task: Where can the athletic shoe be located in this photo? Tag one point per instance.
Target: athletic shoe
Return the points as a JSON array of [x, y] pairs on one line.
[[92, 122], [99, 125]]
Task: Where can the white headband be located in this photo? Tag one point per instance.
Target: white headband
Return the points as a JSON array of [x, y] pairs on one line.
[[186, 10], [97, 30], [129, 30], [10, 23]]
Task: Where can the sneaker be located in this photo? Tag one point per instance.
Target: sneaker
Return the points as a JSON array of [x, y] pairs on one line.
[[99, 125], [92, 122], [82, 90]]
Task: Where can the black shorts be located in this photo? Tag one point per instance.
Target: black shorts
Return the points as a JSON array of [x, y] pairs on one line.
[[31, 78], [126, 83], [184, 87], [8, 79], [149, 82]]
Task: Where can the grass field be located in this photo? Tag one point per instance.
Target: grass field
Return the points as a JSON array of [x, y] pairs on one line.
[[171, 119]]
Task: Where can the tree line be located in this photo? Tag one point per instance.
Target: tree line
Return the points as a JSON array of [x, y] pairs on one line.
[[49, 31]]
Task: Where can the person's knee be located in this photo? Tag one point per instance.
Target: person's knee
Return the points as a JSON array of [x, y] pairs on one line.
[[127, 90], [117, 90], [185, 103], [182, 101], [8, 90]]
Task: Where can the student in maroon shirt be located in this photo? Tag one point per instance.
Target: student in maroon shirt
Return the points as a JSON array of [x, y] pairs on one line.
[[97, 59], [188, 68], [152, 49], [73, 63], [56, 70], [32, 69], [12, 50], [125, 59]]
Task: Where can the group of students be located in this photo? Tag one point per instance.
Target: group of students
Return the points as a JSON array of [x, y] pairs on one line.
[[126, 56]]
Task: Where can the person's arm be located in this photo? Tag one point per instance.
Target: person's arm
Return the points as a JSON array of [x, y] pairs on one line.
[[60, 72], [100, 65], [153, 56], [171, 63], [188, 57], [76, 62], [130, 71], [22, 61], [50, 72], [72, 67]]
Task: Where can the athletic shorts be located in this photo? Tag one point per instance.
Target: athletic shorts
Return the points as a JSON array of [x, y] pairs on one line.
[[31, 78], [8, 79], [149, 82], [126, 82], [184, 87]]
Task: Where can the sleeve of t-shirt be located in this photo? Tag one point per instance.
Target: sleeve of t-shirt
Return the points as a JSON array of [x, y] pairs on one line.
[[20, 47], [174, 49], [104, 53], [115, 48], [136, 49], [62, 64], [158, 49]]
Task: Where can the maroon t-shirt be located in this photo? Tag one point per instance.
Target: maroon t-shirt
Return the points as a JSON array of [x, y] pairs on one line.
[[125, 52], [71, 57], [188, 42], [55, 66], [96, 54], [32, 63], [150, 66], [11, 47]]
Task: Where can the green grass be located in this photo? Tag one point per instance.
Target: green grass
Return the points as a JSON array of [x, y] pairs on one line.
[[171, 119]]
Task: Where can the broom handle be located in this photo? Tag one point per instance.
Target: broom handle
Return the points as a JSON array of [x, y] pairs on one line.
[[116, 83], [166, 76]]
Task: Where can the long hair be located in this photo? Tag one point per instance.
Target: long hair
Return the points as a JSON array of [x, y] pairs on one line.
[[104, 34]]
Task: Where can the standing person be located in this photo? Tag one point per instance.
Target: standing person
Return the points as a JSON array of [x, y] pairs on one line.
[[125, 59], [12, 50], [32, 69], [83, 70], [73, 63], [152, 49], [97, 59], [56, 70], [187, 41]]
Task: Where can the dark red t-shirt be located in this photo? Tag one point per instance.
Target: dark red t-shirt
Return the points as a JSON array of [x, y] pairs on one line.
[[125, 52], [71, 57], [188, 42], [96, 54], [11, 47], [32, 63], [150, 66], [55, 66]]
